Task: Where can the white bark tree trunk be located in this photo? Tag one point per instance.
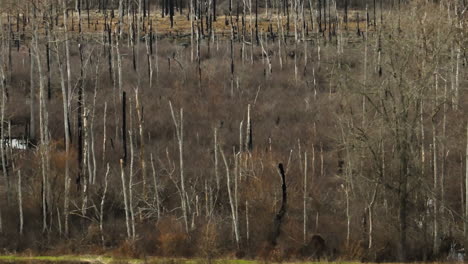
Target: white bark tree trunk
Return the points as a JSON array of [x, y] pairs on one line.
[[179, 125], [2, 135], [42, 126], [103, 199], [124, 190], [156, 188], [231, 199], [67, 137], [130, 183], [142, 140], [216, 159]]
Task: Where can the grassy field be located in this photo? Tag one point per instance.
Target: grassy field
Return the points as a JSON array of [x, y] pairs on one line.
[[154, 260]]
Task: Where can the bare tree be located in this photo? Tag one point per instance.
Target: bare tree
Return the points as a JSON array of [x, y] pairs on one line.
[[231, 199], [179, 126], [20, 204], [124, 190]]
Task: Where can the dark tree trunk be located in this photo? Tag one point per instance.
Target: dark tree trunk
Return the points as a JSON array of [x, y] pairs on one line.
[[250, 143], [324, 15], [214, 10], [256, 22], [346, 13], [282, 212], [124, 128], [80, 120], [319, 20], [358, 28], [381, 12], [49, 92], [375, 21], [171, 12], [87, 10], [79, 15], [287, 16]]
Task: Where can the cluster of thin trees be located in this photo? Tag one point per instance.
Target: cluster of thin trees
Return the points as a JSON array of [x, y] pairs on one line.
[[141, 135]]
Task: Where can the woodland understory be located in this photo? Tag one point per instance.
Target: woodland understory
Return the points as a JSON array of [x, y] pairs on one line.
[[263, 129]]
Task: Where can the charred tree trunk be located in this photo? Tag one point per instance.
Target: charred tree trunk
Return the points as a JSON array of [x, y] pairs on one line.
[[171, 12], [80, 121], [214, 10], [346, 14], [320, 15], [124, 128], [282, 212]]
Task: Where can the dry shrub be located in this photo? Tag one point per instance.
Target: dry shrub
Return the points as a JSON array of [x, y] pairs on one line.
[[93, 235], [208, 244], [354, 250], [315, 249], [269, 253], [127, 248], [173, 241]]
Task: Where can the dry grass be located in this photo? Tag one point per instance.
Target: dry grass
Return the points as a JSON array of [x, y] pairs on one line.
[[182, 25]]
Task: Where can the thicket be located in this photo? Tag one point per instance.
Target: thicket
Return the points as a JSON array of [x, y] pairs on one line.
[[300, 132]]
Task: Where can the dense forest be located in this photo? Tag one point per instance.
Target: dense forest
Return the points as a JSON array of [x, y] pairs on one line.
[[263, 129]]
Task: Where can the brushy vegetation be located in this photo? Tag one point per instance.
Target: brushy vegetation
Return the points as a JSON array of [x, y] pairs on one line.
[[295, 131]]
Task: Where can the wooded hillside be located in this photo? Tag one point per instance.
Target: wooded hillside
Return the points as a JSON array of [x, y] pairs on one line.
[[270, 129]]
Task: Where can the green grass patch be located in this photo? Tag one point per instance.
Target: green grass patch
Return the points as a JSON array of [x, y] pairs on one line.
[[150, 260]]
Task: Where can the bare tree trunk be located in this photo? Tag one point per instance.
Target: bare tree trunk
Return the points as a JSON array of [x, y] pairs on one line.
[[179, 126], [103, 199], [119, 81], [42, 128], [466, 193], [32, 96], [124, 190], [84, 158], [191, 29], [305, 197], [121, 14], [149, 58], [457, 76], [2, 141], [216, 158], [142, 140], [249, 140], [67, 51], [124, 125], [130, 183], [282, 212], [156, 188], [104, 133], [436, 197], [2, 135], [20, 204], [371, 219], [231, 200], [92, 157], [1, 222], [247, 227], [67, 137]]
